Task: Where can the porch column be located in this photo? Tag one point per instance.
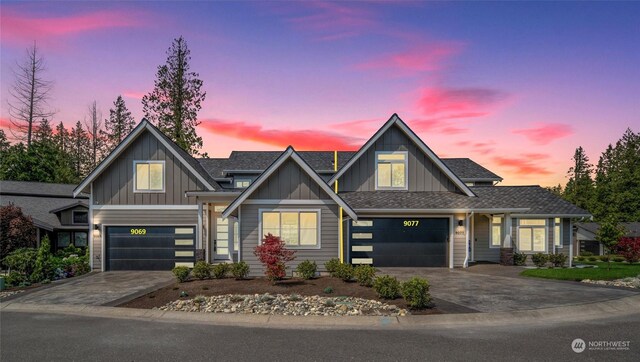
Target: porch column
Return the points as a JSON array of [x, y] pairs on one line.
[[200, 253]]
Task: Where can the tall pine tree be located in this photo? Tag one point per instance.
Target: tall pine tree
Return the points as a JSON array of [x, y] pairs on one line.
[[579, 189], [80, 150], [174, 103], [118, 126], [61, 137]]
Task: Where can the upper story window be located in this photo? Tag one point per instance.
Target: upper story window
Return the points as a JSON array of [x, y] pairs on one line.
[[532, 235], [391, 170], [149, 176], [80, 217], [242, 183]]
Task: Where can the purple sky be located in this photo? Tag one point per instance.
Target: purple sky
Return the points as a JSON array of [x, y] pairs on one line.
[[514, 86]]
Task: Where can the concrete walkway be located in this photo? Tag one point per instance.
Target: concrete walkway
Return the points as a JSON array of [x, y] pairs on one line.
[[109, 288], [495, 288]]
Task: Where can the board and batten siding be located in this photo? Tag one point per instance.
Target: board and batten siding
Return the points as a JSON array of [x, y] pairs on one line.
[[115, 184], [289, 182], [66, 216], [482, 250], [250, 236], [423, 174], [136, 218]]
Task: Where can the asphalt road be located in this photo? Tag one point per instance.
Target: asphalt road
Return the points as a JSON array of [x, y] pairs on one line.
[[55, 337]]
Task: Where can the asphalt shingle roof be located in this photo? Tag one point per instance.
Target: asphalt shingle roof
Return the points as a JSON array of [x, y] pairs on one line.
[[632, 229], [39, 207], [535, 198], [37, 188], [467, 170]]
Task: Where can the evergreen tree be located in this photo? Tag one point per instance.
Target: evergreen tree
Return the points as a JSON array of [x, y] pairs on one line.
[[4, 144], [61, 138], [44, 132], [80, 151], [579, 189], [118, 126], [174, 103], [42, 162], [556, 190]]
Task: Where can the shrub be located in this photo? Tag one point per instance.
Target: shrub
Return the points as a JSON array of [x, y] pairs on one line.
[[273, 254], [416, 292], [307, 269], [580, 258], [332, 265], [327, 290], [22, 261], [387, 287], [618, 259], [240, 270], [629, 248], [68, 251], [592, 258], [604, 258], [558, 259], [586, 253], [344, 272], [202, 270], [539, 259], [364, 274], [44, 267], [16, 230], [181, 273], [71, 266], [519, 258], [15, 278], [220, 271]]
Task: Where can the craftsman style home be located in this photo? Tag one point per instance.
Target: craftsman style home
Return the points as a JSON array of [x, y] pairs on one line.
[[394, 202]]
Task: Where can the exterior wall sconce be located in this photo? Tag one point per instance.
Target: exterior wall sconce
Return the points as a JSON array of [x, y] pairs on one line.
[[460, 222]]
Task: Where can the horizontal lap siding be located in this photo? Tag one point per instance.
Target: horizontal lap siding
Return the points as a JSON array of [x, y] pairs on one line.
[[459, 242], [566, 238], [482, 250], [137, 218], [249, 235]]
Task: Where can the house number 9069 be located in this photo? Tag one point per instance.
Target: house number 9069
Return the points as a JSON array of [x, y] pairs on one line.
[[411, 223], [138, 231]]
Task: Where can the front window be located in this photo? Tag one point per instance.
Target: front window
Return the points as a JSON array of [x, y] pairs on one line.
[[64, 239], [80, 239], [391, 170], [557, 232], [532, 235], [80, 217], [242, 183], [496, 231], [296, 228], [149, 176]]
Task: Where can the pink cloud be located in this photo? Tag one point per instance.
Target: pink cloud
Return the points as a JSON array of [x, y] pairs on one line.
[[304, 140], [332, 20], [422, 58], [467, 101], [133, 94], [20, 28], [545, 133], [482, 148], [523, 166]]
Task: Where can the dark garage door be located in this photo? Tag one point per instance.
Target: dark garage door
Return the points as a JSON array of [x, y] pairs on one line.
[[149, 247], [402, 242]]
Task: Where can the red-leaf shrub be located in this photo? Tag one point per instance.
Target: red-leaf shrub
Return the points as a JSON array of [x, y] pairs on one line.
[[16, 230], [629, 248], [273, 254]]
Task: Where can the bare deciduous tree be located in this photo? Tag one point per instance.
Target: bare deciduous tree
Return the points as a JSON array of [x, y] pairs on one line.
[[29, 96], [94, 131]]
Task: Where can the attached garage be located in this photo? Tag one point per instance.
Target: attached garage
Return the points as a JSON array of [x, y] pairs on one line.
[[149, 247], [399, 242]]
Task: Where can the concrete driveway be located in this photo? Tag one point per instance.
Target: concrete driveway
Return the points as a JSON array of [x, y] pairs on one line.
[[493, 288], [107, 288]]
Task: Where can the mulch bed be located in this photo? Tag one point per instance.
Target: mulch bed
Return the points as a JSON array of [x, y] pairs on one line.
[[311, 287]]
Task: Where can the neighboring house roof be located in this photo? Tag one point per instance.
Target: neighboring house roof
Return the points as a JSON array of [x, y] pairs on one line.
[[632, 229], [468, 170], [289, 153], [38, 188], [38, 207], [520, 200], [69, 206], [396, 121], [191, 163]]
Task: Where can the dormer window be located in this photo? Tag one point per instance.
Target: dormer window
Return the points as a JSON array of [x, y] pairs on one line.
[[148, 176], [391, 170], [242, 183], [80, 217]]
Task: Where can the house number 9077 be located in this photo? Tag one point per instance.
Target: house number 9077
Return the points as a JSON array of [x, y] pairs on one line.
[[411, 223]]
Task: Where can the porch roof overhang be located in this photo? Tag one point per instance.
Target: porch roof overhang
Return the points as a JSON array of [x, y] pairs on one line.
[[437, 211], [214, 194]]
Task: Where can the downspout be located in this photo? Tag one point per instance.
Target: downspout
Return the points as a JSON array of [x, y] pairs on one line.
[[570, 243], [340, 231]]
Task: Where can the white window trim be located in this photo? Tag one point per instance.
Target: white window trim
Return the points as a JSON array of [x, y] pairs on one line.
[[309, 247], [546, 235], [245, 179], [561, 245], [164, 176], [502, 228], [406, 169], [73, 215]]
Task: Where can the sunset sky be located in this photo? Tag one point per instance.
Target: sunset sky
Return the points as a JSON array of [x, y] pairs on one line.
[[514, 86]]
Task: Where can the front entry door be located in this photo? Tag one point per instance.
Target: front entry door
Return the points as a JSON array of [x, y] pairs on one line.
[[221, 235]]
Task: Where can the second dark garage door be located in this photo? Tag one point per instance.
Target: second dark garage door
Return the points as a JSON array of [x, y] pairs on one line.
[[149, 247], [400, 242]]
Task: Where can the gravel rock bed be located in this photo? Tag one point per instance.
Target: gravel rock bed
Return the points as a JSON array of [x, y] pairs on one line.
[[295, 305], [8, 293], [626, 282]]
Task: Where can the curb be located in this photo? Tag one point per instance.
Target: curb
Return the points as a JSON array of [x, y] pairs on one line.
[[623, 306]]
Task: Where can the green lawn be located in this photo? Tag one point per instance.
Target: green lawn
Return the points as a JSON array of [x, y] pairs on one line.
[[618, 271]]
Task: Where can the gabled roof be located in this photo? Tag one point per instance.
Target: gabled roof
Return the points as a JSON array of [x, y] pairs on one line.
[[30, 188], [632, 229], [289, 153], [468, 170], [538, 200], [38, 208], [191, 163], [69, 206], [395, 120]]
